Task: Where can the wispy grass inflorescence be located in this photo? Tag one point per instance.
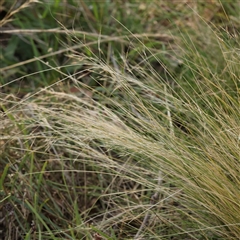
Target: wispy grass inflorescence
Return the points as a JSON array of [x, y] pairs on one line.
[[145, 152]]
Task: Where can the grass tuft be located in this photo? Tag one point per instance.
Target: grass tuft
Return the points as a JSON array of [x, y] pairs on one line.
[[130, 135]]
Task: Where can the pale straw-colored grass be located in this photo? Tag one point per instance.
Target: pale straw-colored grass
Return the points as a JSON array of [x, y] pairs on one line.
[[137, 157]]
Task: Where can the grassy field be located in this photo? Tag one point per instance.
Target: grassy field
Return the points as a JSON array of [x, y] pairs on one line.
[[120, 120]]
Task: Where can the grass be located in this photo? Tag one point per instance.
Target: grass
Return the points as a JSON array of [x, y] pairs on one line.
[[125, 127]]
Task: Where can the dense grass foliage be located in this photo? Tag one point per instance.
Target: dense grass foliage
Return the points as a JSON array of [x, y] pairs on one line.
[[120, 120]]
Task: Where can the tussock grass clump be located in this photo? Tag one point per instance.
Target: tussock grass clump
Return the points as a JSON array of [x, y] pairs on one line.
[[145, 153], [94, 165]]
